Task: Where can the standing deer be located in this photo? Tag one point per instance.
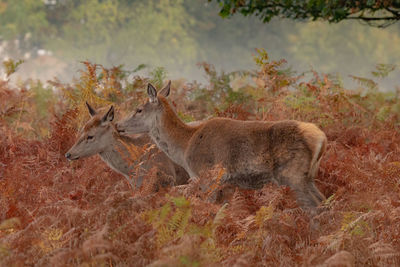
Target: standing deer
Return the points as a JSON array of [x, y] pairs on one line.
[[99, 136], [253, 153]]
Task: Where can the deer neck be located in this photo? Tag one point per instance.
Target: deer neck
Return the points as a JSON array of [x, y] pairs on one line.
[[171, 134], [117, 155]]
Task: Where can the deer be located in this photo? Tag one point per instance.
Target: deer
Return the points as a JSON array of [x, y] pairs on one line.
[[253, 153], [99, 136]]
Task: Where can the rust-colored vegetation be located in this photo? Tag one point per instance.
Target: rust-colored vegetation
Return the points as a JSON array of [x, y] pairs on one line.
[[55, 213]]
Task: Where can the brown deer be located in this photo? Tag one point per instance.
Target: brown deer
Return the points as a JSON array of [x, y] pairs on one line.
[[253, 153], [99, 136]]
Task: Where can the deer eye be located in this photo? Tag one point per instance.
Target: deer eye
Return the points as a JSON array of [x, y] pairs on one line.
[[90, 137], [139, 110]]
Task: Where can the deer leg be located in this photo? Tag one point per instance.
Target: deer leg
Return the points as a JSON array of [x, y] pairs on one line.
[[294, 173], [139, 181], [222, 194], [304, 197], [302, 189], [131, 182], [316, 192]]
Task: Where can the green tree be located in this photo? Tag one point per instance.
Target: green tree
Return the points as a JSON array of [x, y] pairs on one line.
[[354, 47], [115, 32], [19, 19], [374, 12]]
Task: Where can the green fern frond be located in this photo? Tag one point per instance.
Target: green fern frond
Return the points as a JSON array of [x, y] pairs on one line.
[[165, 210], [264, 214], [170, 222], [355, 225]]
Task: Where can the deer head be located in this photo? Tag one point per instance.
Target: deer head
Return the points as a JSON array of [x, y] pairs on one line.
[[144, 117], [96, 135]]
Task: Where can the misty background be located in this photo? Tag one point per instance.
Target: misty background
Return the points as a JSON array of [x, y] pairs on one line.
[[54, 36]]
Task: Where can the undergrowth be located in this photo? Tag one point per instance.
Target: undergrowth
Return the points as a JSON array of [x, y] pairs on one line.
[[55, 213]]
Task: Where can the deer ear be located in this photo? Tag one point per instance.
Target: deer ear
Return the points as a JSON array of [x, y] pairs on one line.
[[152, 92], [109, 115], [165, 91], [92, 112]]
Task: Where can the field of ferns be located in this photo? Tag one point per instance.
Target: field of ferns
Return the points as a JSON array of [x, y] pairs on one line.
[[56, 213]]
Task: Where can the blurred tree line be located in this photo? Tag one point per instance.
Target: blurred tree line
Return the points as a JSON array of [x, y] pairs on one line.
[[177, 34]]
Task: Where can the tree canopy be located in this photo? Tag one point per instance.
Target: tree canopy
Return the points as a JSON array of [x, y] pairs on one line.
[[374, 12]]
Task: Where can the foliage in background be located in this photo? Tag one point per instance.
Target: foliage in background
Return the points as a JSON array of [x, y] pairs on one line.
[[328, 45], [26, 18], [177, 34], [11, 66], [374, 12], [55, 212]]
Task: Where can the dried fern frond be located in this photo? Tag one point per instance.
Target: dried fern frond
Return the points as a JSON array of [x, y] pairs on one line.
[[384, 253]]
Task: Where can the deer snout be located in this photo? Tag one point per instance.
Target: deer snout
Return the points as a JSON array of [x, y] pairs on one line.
[[69, 156], [120, 128]]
